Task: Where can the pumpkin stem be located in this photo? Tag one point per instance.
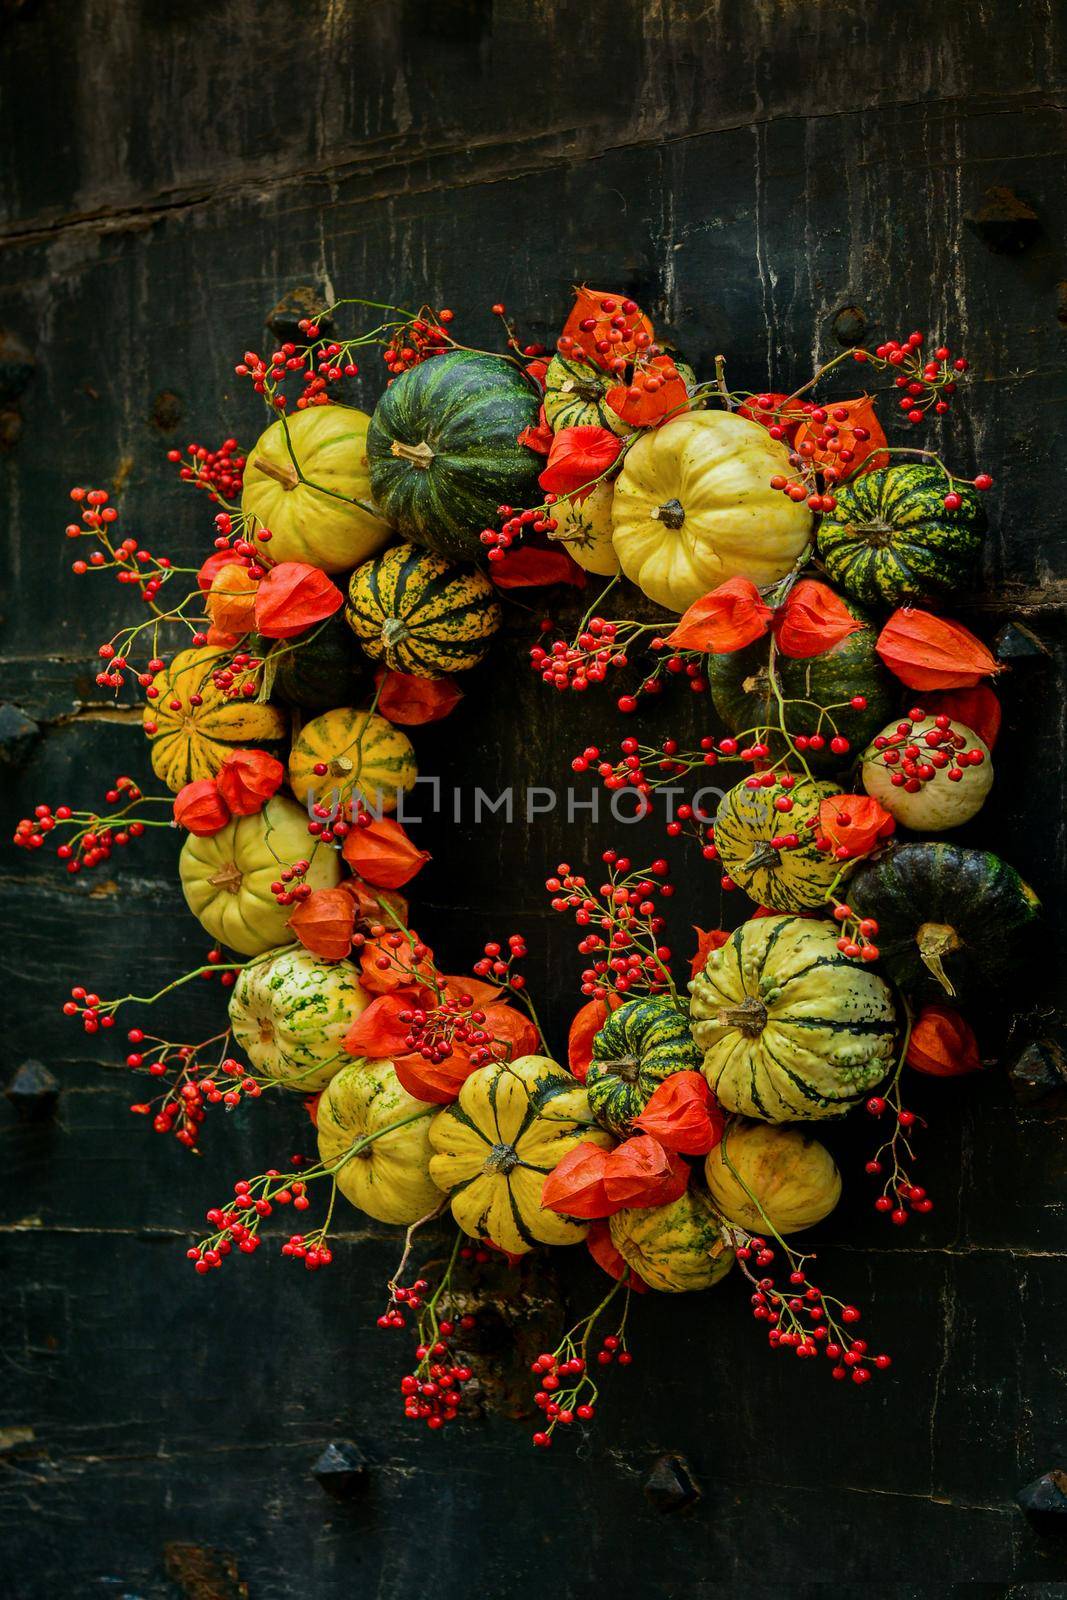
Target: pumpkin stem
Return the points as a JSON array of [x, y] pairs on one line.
[[340, 766], [228, 877], [394, 629], [764, 855], [936, 940], [501, 1158], [750, 1016], [671, 513], [420, 455], [286, 476], [625, 1066]]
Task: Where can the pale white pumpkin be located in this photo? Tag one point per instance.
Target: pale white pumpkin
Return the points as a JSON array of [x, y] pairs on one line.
[[693, 506], [301, 480], [941, 803], [389, 1177], [290, 1011], [226, 876]]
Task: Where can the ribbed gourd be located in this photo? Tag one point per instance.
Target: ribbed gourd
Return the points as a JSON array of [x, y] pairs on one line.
[[889, 539], [308, 481], [366, 1110], [363, 756], [783, 877], [764, 1178], [693, 506], [791, 1028], [744, 696], [585, 530], [226, 876], [642, 1043], [290, 1011], [421, 614], [950, 920], [195, 726], [444, 451], [675, 1248], [496, 1144]]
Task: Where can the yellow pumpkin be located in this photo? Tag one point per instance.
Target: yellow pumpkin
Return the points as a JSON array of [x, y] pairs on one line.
[[226, 876], [693, 506], [193, 726], [585, 530], [309, 511], [784, 878], [290, 1011], [940, 803], [766, 1178], [362, 753], [674, 1248], [389, 1177], [498, 1142]]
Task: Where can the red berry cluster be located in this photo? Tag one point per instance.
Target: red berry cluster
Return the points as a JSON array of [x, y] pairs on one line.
[[624, 922], [899, 1195], [917, 759], [220, 472], [132, 563], [237, 678], [534, 519], [858, 934], [289, 888], [435, 1031], [239, 1222], [597, 649], [94, 837], [802, 1319], [433, 1392], [317, 370], [927, 383], [416, 342], [621, 324], [493, 963]]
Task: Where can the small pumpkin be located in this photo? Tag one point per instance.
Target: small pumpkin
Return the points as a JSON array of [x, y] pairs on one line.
[[941, 802], [363, 754], [889, 539], [744, 696], [784, 878], [308, 481], [290, 1011], [444, 451], [195, 725], [950, 920], [761, 1177], [498, 1142], [421, 614], [676, 1248], [324, 668], [576, 397], [387, 1175], [226, 876], [693, 506], [640, 1044], [585, 530], [792, 1030]]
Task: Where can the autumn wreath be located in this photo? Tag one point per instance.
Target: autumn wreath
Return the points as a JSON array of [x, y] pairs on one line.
[[789, 556]]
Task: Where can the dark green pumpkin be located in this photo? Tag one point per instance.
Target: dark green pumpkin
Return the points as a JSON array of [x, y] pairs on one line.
[[890, 539], [949, 919], [743, 697], [327, 669], [444, 452], [642, 1043]]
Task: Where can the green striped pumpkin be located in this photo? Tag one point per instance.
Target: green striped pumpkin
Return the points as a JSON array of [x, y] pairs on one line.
[[890, 540], [792, 1029], [290, 1011], [421, 614], [744, 696], [641, 1044], [576, 397], [495, 1146], [444, 451], [675, 1248], [950, 919], [783, 879]]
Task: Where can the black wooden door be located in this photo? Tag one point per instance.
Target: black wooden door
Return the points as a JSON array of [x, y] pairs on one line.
[[760, 174]]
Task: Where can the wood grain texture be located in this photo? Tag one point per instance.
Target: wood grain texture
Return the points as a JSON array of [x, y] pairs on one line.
[[745, 168]]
